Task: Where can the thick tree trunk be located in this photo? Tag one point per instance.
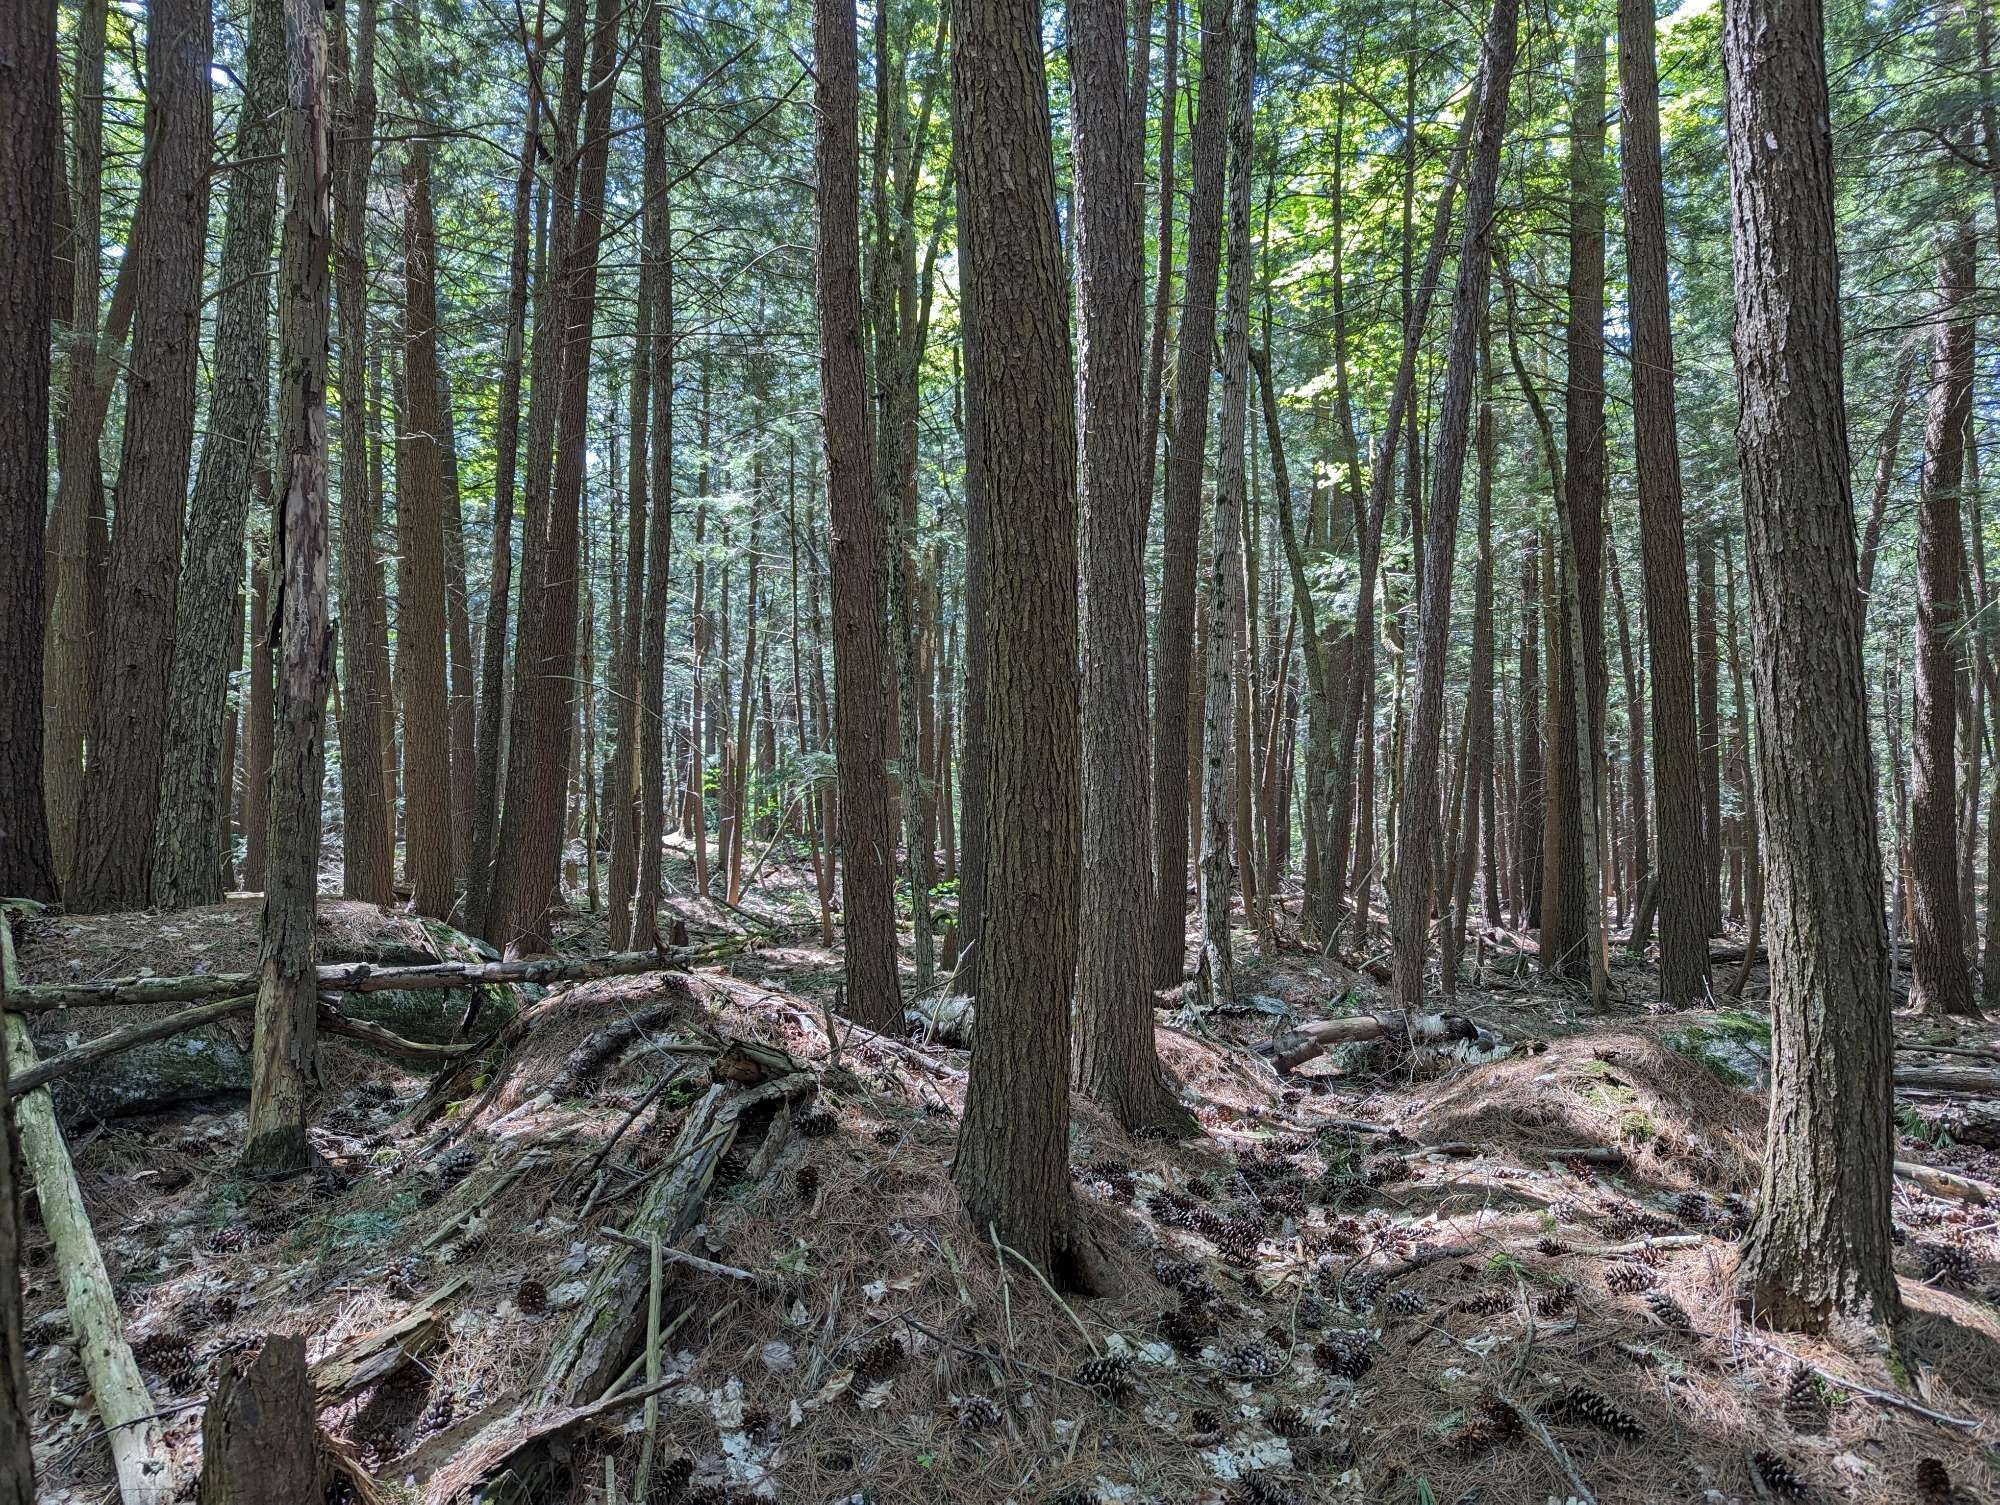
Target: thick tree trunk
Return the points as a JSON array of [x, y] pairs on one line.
[[1117, 1063], [1820, 1244], [867, 847], [1187, 445], [285, 1047], [1415, 869], [260, 1435], [1012, 1164], [1663, 549], [117, 816], [1941, 981], [187, 861]]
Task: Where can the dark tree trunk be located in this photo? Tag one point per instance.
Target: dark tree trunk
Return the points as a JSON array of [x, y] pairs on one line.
[[1187, 444], [1820, 1245], [30, 143], [17, 1453], [1941, 981], [867, 846], [1663, 550], [1418, 835], [118, 814], [259, 1436], [1117, 1063], [283, 1056], [1708, 726], [1012, 1164], [1528, 781], [187, 860]]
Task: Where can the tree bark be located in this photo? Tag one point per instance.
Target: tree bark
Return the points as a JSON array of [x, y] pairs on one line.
[[867, 847], [1415, 868], [1820, 1244], [285, 1045], [117, 815], [1187, 446], [1012, 1164], [260, 1435], [17, 1453]]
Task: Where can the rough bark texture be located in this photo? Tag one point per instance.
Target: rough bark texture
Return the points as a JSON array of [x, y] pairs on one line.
[[260, 1435], [1012, 1165], [1663, 549], [867, 847], [116, 818], [367, 831], [1116, 1060], [422, 666], [284, 1049], [1941, 981], [1187, 442], [17, 1455], [1410, 906], [1820, 1245], [194, 783], [30, 138]]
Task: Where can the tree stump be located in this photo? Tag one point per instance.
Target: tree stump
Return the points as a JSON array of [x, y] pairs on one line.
[[258, 1438]]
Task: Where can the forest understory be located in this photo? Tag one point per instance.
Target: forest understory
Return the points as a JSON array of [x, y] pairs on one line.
[[1493, 1269]]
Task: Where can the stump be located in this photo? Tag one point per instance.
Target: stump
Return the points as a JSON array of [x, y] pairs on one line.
[[259, 1438]]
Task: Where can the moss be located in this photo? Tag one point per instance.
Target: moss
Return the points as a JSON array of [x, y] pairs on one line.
[[1697, 1045]]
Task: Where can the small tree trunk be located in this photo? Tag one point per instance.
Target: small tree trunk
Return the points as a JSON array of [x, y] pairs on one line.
[[259, 1438]]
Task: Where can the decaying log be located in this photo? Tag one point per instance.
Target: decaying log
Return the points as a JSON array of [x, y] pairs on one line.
[[1314, 1038], [366, 977], [1966, 1079], [592, 1354], [1945, 1184], [259, 1439], [362, 1361], [139, 1453]]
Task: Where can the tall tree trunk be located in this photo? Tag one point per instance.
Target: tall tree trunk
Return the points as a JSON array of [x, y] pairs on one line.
[[17, 1452], [117, 816], [1663, 549], [1528, 792], [283, 1054], [1117, 1063], [187, 861], [1886, 458], [622, 783], [1941, 981], [1820, 1244], [30, 142], [420, 574], [367, 847], [1012, 1164], [1187, 447], [1569, 867], [1410, 906], [1708, 726], [1223, 728], [1163, 269], [867, 845]]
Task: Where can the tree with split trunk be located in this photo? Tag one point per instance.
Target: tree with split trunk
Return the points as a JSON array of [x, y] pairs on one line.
[[1820, 1245]]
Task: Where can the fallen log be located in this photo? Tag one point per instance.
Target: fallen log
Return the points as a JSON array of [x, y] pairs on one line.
[[1945, 1184], [1315, 1037], [139, 1455], [366, 977], [373, 1356], [1950, 1079]]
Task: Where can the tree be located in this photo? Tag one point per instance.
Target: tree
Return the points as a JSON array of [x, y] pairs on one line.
[[208, 616], [284, 1050], [867, 846], [1117, 1063], [30, 136], [1663, 549], [17, 1453], [1820, 1245], [1012, 1166], [1410, 907], [117, 814], [1186, 449]]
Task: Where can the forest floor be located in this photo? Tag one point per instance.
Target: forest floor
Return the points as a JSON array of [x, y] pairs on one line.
[[1378, 1279]]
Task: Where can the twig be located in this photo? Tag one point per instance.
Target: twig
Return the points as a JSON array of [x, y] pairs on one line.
[[1882, 1397], [1036, 1269], [680, 1257], [1006, 1286], [1555, 1450], [652, 1372], [994, 1358]]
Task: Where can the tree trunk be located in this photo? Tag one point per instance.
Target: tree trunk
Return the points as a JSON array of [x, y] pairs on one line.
[[1415, 867], [1820, 1244], [1528, 781], [1708, 726], [260, 1435], [1012, 1164], [117, 816], [286, 1040], [1186, 453], [1117, 1063], [187, 861], [867, 848]]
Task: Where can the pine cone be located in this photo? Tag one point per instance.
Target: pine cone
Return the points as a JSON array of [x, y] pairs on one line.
[[1176, 1274], [1585, 1405], [1777, 1474], [1348, 1353], [1313, 1312], [1496, 1423], [440, 1412], [400, 1280], [1947, 1265], [1490, 1302], [1288, 1421], [670, 1480], [1805, 1402], [1257, 1490], [172, 1360], [1934, 1485], [222, 1306], [1628, 1278], [815, 1125], [1360, 1288], [231, 1238], [1556, 1300], [1694, 1209], [879, 1360], [1205, 1425], [531, 1296], [1404, 1303], [1669, 1312], [807, 1182], [1187, 1328], [1109, 1376], [454, 1165], [1550, 1245], [1250, 1361], [975, 1413]]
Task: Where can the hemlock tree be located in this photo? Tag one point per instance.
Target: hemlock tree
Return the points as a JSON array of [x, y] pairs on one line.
[[1820, 1245], [1012, 1166]]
